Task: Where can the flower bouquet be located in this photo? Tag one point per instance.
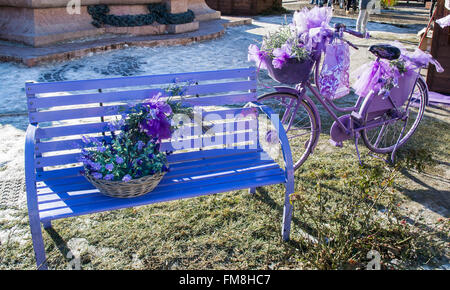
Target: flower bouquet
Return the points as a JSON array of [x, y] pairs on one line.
[[288, 54], [130, 163], [395, 78]]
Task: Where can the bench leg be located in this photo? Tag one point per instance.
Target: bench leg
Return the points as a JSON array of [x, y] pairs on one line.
[[47, 225], [38, 244], [252, 190], [287, 217]]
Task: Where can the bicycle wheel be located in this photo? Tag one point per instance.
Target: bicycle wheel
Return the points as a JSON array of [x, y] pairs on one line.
[[382, 139], [298, 120]]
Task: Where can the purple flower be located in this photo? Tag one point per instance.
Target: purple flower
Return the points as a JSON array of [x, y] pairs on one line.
[[119, 160], [282, 55], [140, 145], [101, 148], [116, 125], [109, 167], [307, 19], [159, 105], [158, 128], [256, 55], [97, 175], [109, 177], [278, 63], [126, 178], [85, 139], [94, 165]]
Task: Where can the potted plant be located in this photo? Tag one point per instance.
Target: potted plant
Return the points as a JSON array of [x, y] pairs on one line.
[[130, 163], [288, 54]]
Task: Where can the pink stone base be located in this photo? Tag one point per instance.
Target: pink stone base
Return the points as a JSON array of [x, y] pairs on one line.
[[49, 25]]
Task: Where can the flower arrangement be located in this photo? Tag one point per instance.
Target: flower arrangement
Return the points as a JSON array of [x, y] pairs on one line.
[[135, 151], [298, 40], [382, 76]]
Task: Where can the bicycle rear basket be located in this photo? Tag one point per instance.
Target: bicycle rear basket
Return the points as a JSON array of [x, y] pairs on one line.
[[293, 71]]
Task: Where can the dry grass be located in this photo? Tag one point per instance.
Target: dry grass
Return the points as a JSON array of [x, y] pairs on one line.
[[342, 211]]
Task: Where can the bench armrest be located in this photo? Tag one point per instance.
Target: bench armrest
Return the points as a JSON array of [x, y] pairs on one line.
[[30, 170], [285, 147]]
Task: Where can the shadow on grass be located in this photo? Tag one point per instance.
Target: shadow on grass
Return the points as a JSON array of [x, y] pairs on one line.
[[434, 199], [60, 243], [264, 197]]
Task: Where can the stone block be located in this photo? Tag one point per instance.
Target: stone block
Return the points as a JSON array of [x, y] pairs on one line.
[[182, 28]]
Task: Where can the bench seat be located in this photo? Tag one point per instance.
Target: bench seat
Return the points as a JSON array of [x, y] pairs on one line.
[[65, 193]]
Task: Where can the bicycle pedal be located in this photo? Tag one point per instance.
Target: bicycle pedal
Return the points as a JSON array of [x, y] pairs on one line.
[[336, 144]]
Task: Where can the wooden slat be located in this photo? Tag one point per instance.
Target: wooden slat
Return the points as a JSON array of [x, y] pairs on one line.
[[172, 159], [226, 139], [58, 115], [126, 96], [221, 100], [70, 144], [234, 113], [67, 86], [77, 99], [100, 203], [83, 193], [50, 146], [177, 171], [136, 95], [61, 131]]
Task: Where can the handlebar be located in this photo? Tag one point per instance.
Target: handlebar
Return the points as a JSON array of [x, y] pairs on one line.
[[340, 28], [354, 33]]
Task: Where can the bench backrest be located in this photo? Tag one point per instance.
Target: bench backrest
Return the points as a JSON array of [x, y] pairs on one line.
[[64, 111]]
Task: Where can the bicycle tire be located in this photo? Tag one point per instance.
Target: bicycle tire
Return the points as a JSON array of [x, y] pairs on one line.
[[278, 102]]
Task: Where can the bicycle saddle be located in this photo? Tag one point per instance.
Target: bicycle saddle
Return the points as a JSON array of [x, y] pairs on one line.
[[385, 51]]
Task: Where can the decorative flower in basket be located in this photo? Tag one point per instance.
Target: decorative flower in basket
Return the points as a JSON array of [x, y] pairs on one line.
[[130, 163], [288, 53]]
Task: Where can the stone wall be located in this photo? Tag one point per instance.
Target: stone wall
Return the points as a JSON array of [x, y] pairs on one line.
[[242, 7]]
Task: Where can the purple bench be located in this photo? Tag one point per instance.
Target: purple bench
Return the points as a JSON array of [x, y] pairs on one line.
[[227, 156]]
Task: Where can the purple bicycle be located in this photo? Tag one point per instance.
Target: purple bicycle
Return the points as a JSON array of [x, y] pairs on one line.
[[392, 94]]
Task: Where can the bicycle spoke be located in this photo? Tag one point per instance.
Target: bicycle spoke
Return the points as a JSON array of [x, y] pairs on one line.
[[298, 121], [403, 123], [379, 135]]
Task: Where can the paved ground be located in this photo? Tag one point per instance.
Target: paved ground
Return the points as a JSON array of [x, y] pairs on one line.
[[32, 56], [413, 13]]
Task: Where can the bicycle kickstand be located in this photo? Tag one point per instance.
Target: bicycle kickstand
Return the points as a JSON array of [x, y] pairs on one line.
[[396, 144], [356, 147]]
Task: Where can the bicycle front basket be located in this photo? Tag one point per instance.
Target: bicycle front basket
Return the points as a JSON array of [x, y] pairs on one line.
[[293, 71]]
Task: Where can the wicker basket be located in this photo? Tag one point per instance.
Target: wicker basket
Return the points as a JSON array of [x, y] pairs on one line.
[[293, 71], [132, 188]]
